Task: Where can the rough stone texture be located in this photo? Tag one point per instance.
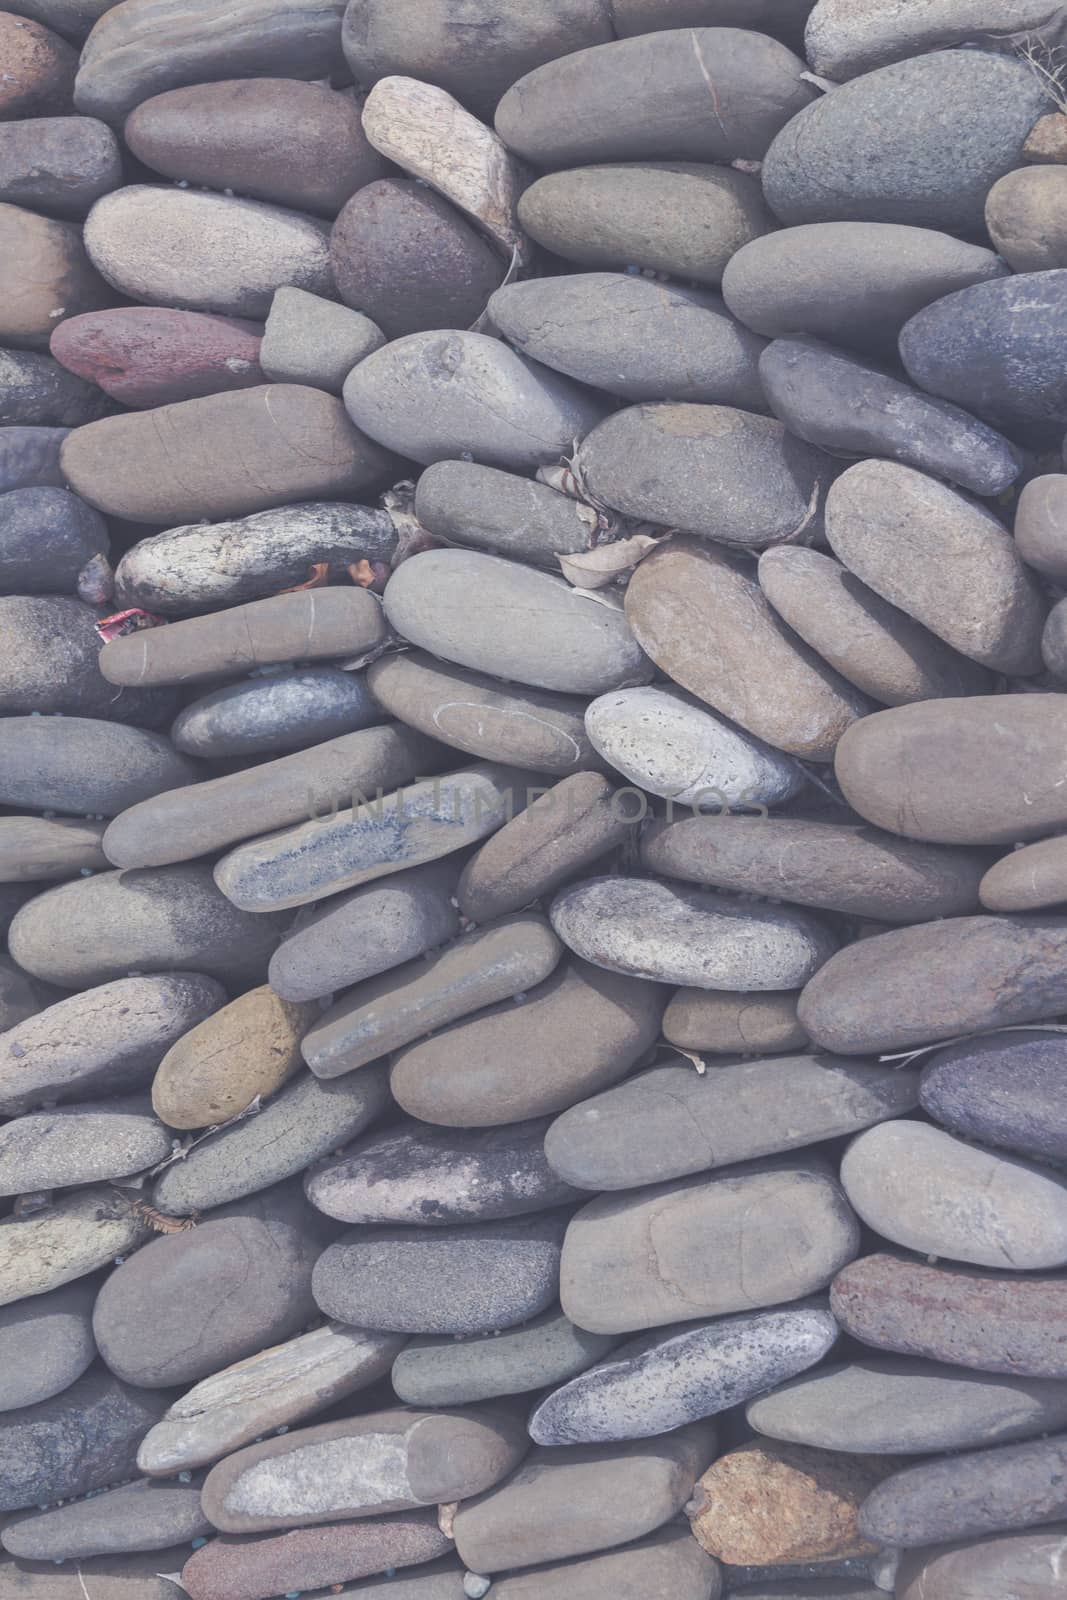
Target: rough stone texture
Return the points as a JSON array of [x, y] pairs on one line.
[[500, 512], [763, 1233], [146, 356], [58, 165], [920, 1187], [974, 1494], [78, 1233], [462, 1280], [881, 149], [39, 69], [548, 1349], [35, 389], [49, 662], [1041, 524], [46, 1343], [1028, 879], [30, 456], [46, 537], [963, 1316], [844, 38], [678, 217], [667, 1565], [36, 849], [138, 1516], [1004, 1090], [705, 622], [1024, 216], [283, 711], [672, 1121], [82, 765], [984, 1569], [97, 929], [381, 1461], [734, 1024], [291, 442], [311, 340], [583, 1028], [78, 1144]]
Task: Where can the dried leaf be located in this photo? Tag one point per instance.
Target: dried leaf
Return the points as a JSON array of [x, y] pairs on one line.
[[595, 569], [698, 1061], [825, 84]]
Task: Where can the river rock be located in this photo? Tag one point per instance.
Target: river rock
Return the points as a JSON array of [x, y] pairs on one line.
[[105, 927], [46, 1343], [80, 1144], [138, 1516], [672, 1121], [39, 849], [851, 156], [843, 39], [762, 1233], [500, 512], [80, 764], [1041, 524], [677, 1375], [704, 621], [46, 537], [459, 1280], [273, 1389], [285, 710], [651, 929], [983, 1569], [1004, 1090], [1028, 879], [416, 1174], [725, 1023], [145, 356], [914, 985], [30, 456], [424, 396], [668, 1559], [292, 443], [382, 1461], [471, 711], [272, 138], [49, 655], [967, 1317], [854, 283], [647, 99], [39, 69], [79, 1233], [311, 340], [585, 1027], [438, 1371], [920, 1187], [192, 1302], [978, 1493], [677, 217], [72, 19], [305, 1121], [107, 1040], [1023, 215], [161, 44], [682, 344], [406, 258], [82, 1439], [58, 165], [567, 828], [37, 390], [564, 1503], [132, 1576]]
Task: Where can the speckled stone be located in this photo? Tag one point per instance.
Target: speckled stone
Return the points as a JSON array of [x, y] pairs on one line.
[[49, 662], [80, 1232], [78, 1144], [500, 512], [1004, 1089], [36, 390], [548, 1349], [47, 536], [38, 69]]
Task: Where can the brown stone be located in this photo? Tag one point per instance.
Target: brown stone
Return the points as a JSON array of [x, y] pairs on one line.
[[153, 356], [1041, 524], [37, 69], [230, 1568], [47, 276], [1025, 215], [734, 1024], [1047, 139]]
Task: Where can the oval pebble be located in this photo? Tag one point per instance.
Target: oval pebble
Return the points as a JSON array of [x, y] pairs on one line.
[[48, 272], [1003, 1089], [1041, 524], [39, 69], [145, 356], [1023, 214], [1028, 879], [80, 1144], [136, 1516], [271, 715], [86, 766], [79, 1233], [725, 1023], [439, 1371], [47, 536], [49, 663], [982, 1568], [46, 1343], [844, 38], [501, 513], [980, 1492]]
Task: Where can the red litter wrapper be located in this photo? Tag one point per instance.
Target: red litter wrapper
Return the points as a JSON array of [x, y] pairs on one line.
[[124, 622]]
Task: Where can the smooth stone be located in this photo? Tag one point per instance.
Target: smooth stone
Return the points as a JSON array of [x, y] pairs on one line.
[[36, 390], [46, 1343], [225, 455], [94, 930], [571, 825], [49, 663], [427, 1176], [127, 1577], [501, 513], [30, 457], [21, 997], [854, 283], [725, 1023], [584, 1028], [880, 649], [699, 614], [144, 356], [311, 340], [834, 866], [47, 536], [648, 928], [573, 1502], [156, 45], [1041, 524], [39, 69], [79, 1233], [406, 259], [677, 1375], [427, 397], [370, 930], [682, 344], [850, 156], [394, 1460], [200, 818], [648, 98], [439, 1371], [272, 138], [59, 165], [762, 1233], [984, 1492], [1045, 142], [922, 1188], [72, 19], [82, 1439], [488, 719], [669, 744], [284, 628], [1054, 642], [138, 1516], [1024, 216], [282, 711], [303, 1123], [1004, 1090], [414, 826], [844, 38], [940, 557], [192, 1302], [985, 1320], [671, 1121], [840, 1580], [992, 349], [273, 1389], [678, 217], [217, 1067], [913, 986], [985, 1569], [460, 1280], [39, 849], [49, 276], [430, 1580], [83, 765], [1029, 879], [886, 1404], [408, 1002], [80, 1144], [665, 1564], [107, 1040]]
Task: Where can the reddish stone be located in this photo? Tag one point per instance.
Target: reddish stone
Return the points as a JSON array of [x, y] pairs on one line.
[[150, 355], [37, 69]]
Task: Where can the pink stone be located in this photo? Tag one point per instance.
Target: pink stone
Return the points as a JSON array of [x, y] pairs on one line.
[[150, 355]]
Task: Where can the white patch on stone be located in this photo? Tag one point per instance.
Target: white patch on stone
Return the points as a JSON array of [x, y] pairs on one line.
[[366, 1470]]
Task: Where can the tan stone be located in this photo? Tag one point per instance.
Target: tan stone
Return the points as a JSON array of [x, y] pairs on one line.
[[47, 277], [722, 1023], [36, 70], [1047, 139]]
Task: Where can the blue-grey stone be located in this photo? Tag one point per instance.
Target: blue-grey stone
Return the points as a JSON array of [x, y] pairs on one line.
[[47, 536], [1003, 1089], [277, 712]]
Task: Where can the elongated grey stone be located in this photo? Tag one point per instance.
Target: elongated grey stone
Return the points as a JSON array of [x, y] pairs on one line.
[[85, 766], [500, 512], [285, 710], [137, 1516], [966, 1496], [77, 1234], [78, 1144], [433, 1370]]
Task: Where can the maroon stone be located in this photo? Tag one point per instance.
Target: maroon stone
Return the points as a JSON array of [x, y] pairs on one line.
[[150, 356]]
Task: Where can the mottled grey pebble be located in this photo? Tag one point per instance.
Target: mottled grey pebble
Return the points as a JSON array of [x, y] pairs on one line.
[[36, 392], [844, 38], [49, 662], [670, 1558], [1041, 524], [58, 165], [30, 457], [969, 1495], [1005, 1089]]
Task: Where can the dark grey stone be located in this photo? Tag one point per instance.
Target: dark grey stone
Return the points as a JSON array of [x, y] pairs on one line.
[[30, 456], [278, 712], [58, 165], [138, 1516], [46, 1343], [442, 1371], [46, 537], [500, 512], [85, 766], [1004, 1089], [36, 392]]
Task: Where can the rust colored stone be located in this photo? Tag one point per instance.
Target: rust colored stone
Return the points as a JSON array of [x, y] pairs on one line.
[[150, 355]]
